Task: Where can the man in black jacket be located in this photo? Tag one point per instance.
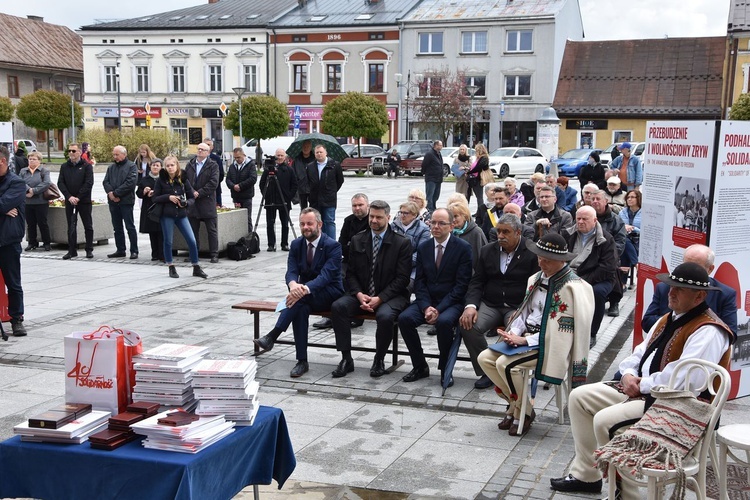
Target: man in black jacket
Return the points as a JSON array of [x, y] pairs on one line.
[[75, 181], [614, 225], [301, 162], [432, 169], [497, 288], [375, 282], [12, 228], [286, 181], [325, 178], [203, 174], [241, 178], [216, 156], [119, 184], [596, 260]]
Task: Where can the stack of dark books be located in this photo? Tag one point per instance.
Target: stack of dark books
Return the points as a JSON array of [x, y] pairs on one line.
[[163, 375], [119, 431], [227, 387], [69, 423]]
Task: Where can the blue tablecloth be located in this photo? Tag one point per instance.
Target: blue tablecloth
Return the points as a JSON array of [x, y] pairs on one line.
[[250, 455]]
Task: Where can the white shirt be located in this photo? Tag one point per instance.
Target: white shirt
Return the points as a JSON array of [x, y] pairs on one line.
[[321, 166], [531, 314], [707, 342], [198, 167]]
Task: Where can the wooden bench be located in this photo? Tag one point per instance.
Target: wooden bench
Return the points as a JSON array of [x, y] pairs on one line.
[[258, 306]]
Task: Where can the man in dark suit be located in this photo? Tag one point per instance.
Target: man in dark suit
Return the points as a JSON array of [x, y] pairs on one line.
[[500, 197], [722, 301], [313, 276], [241, 178], [325, 178], [376, 281], [285, 181], [443, 273], [203, 174], [216, 156], [432, 169], [496, 289]]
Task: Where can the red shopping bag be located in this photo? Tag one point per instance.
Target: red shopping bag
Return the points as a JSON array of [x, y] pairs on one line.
[[99, 369]]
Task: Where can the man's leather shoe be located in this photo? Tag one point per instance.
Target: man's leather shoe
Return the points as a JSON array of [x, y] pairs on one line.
[[299, 369], [417, 373], [284, 248], [345, 366], [198, 272], [483, 383], [324, 323], [378, 368], [115, 255], [505, 423], [265, 343], [356, 323], [17, 326], [513, 429], [214, 260], [614, 310], [271, 249], [89, 254], [30, 248], [47, 248], [133, 255], [70, 255], [569, 483], [432, 331]]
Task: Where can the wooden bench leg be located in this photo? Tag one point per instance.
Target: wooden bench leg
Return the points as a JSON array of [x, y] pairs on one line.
[[394, 355]]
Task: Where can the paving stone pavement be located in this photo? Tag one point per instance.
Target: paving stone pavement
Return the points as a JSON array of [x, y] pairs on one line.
[[354, 437]]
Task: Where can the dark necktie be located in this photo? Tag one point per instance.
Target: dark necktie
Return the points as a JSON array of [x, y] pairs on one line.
[[310, 252], [375, 250], [439, 257]]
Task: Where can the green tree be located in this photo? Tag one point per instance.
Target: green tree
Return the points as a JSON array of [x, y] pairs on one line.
[[6, 109], [355, 114], [263, 117], [47, 110], [741, 109]]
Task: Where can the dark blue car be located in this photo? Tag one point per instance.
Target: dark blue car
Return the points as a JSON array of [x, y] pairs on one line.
[[569, 163]]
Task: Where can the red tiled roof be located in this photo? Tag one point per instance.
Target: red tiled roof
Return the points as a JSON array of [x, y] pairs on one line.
[[26, 42], [657, 77]]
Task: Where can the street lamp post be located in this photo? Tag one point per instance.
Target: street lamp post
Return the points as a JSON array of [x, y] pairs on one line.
[[119, 108], [418, 79], [72, 88], [239, 91], [471, 89]]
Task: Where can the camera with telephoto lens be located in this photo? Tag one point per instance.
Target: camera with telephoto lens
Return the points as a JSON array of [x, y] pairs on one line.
[[183, 200], [269, 164]]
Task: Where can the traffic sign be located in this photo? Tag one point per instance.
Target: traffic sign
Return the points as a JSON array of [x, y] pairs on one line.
[[297, 112], [223, 108], [502, 108], [147, 107], [296, 123]]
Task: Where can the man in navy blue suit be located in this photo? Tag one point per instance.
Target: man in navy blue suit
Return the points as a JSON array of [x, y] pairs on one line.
[[313, 276], [442, 280], [723, 301]]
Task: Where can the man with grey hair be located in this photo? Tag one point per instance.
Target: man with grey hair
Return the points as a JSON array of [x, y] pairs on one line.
[[203, 175], [376, 282], [497, 288], [119, 184]]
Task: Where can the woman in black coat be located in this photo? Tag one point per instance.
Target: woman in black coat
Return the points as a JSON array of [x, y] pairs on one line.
[[473, 176], [172, 191], [593, 172], [145, 191]]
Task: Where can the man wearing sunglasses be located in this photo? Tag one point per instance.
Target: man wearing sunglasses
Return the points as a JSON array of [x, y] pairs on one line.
[[75, 181]]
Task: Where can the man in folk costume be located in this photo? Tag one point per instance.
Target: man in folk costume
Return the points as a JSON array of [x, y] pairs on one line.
[[549, 332], [599, 411]]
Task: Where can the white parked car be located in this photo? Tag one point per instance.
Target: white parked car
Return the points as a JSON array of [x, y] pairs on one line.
[[517, 161], [30, 145], [269, 146], [606, 156]]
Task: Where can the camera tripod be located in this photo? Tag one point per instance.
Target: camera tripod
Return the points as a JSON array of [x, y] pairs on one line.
[[283, 205]]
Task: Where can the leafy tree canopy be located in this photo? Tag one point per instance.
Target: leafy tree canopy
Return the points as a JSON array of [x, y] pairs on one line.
[[355, 114], [741, 109], [263, 117], [6, 109], [47, 110]]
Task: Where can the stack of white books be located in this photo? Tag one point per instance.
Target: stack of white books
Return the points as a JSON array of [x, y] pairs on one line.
[[227, 387], [75, 432], [164, 375], [190, 438]]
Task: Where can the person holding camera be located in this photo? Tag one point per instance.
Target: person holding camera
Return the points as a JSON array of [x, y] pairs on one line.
[[173, 190], [394, 163], [278, 184]]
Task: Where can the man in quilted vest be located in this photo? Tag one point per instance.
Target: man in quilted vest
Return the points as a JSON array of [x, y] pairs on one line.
[[599, 411]]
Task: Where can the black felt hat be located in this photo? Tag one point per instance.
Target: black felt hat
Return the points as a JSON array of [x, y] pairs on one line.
[[687, 275], [551, 246]]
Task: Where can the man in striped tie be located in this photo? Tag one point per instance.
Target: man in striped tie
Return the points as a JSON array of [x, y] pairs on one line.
[[376, 280]]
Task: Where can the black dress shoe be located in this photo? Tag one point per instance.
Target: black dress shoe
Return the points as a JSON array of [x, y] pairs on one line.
[[198, 272], [299, 369], [89, 254], [569, 483], [284, 248], [47, 247], [30, 248], [324, 323], [271, 249], [378, 368], [116, 255], [70, 255], [173, 272], [432, 331], [133, 255], [483, 383], [417, 373], [154, 259], [265, 343], [614, 310], [345, 366], [356, 323], [214, 260]]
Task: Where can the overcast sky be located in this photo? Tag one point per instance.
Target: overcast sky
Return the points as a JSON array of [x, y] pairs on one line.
[[602, 19]]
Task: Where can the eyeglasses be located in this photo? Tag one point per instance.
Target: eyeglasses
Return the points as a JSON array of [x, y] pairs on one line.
[[439, 223], [405, 213], [72, 151]]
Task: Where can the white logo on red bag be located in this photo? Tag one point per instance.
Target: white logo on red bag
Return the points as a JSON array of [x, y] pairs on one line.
[[82, 373]]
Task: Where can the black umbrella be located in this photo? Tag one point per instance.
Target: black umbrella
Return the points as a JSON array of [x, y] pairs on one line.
[[332, 146], [450, 362]]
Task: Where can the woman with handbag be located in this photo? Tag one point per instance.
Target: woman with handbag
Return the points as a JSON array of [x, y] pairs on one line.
[[479, 174], [145, 191], [461, 165], [37, 182], [171, 194]]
